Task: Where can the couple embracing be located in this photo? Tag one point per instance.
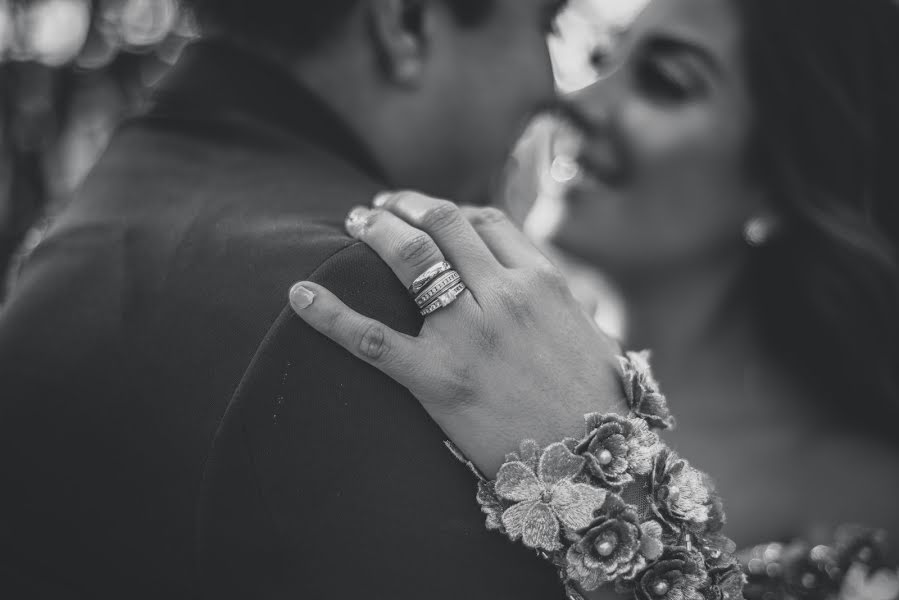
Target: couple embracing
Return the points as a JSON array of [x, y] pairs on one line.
[[171, 428]]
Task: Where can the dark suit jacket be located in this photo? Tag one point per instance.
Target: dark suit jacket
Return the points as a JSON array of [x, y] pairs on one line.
[[169, 430]]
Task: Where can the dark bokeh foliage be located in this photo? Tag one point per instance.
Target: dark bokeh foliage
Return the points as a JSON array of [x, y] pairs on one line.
[[298, 25]]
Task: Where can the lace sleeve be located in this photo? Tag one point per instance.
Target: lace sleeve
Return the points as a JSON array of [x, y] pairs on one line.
[[618, 508]]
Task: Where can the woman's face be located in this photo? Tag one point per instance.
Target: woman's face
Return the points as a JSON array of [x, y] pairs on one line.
[[662, 180]]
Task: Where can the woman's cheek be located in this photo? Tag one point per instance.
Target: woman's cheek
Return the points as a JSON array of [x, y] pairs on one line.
[[683, 176], [657, 136]]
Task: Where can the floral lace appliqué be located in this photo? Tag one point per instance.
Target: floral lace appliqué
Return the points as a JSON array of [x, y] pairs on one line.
[[641, 389], [546, 498]]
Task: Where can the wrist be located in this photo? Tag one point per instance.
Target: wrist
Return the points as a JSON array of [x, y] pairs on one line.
[[616, 506]]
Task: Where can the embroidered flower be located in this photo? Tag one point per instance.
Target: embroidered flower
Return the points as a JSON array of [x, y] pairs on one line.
[[726, 579], [717, 518], [491, 505], [528, 453], [679, 492], [717, 547], [726, 584], [678, 575], [617, 448], [642, 390], [546, 498], [613, 546]]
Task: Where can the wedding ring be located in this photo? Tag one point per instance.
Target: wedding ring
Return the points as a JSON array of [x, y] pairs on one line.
[[437, 287], [423, 280], [444, 300]]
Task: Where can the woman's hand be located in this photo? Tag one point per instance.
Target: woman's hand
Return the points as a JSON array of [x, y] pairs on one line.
[[514, 358]]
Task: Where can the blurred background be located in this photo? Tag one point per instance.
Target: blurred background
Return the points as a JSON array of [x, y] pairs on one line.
[[71, 70]]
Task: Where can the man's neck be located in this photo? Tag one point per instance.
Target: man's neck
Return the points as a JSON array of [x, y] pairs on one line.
[[344, 81]]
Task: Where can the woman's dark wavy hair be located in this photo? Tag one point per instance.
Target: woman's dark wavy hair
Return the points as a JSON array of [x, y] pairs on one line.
[[824, 80], [298, 25]]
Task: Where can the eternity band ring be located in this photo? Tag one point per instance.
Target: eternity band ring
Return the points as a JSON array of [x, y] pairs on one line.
[[444, 300], [423, 280], [437, 287]]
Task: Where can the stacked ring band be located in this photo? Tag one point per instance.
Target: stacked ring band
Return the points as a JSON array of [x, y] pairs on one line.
[[436, 288], [447, 298], [422, 281]]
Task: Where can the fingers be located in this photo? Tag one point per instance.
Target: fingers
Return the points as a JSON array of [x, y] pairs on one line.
[[508, 243], [367, 339], [443, 222], [407, 250]]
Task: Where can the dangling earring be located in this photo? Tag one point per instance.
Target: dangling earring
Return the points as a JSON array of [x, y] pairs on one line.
[[757, 231]]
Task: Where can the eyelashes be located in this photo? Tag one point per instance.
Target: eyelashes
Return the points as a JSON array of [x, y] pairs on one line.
[[659, 82], [659, 74]]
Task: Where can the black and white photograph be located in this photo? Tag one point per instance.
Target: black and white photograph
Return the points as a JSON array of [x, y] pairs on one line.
[[449, 299]]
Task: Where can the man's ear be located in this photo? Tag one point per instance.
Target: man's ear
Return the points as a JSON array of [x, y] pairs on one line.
[[397, 28]]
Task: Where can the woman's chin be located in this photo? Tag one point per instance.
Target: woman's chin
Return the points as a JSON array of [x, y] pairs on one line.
[[573, 244], [577, 229], [594, 245]]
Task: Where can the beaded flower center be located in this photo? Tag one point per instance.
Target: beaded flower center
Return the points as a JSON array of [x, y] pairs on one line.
[[607, 544], [661, 589]]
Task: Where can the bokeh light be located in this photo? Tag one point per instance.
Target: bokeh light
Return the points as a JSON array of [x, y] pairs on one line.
[[55, 30], [6, 28], [70, 70], [146, 22]]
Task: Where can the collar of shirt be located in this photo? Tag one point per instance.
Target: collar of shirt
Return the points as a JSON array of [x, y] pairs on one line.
[[215, 80]]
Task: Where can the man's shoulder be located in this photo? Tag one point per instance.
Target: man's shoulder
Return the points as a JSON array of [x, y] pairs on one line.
[[359, 277], [356, 275], [321, 455], [203, 211]]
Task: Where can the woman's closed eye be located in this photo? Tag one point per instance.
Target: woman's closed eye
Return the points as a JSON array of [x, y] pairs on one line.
[[667, 80]]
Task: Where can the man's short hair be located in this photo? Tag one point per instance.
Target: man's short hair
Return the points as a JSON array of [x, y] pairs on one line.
[[297, 25]]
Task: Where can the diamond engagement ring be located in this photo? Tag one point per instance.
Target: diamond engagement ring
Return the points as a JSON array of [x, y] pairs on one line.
[[436, 288]]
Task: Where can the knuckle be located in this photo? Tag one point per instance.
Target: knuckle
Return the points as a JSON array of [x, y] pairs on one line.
[[416, 249], [548, 275], [482, 217], [404, 197], [372, 343], [440, 216]]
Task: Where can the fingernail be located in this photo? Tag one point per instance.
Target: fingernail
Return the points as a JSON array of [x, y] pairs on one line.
[[357, 220], [301, 297], [381, 200]]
